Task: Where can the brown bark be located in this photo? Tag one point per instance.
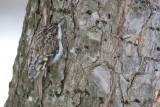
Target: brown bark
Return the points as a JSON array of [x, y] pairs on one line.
[[111, 54]]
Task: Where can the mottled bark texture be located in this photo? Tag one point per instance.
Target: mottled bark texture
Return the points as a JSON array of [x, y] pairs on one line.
[[111, 54]]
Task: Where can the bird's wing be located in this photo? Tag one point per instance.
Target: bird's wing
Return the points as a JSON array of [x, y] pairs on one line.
[[43, 50]]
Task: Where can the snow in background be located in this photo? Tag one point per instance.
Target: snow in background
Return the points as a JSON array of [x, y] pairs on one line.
[[12, 14]]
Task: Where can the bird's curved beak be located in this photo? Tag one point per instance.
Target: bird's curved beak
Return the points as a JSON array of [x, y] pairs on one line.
[[60, 20]]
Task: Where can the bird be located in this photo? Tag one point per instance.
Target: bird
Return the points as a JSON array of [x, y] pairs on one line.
[[45, 50]]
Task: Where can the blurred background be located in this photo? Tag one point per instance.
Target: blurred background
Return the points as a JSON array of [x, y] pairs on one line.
[[12, 14]]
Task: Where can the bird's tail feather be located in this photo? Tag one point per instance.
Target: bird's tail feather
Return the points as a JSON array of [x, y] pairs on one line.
[[38, 88]]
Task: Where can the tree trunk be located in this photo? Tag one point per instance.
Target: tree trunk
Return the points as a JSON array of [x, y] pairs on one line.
[[111, 54]]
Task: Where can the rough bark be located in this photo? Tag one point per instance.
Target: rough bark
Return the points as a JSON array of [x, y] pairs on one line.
[[111, 54]]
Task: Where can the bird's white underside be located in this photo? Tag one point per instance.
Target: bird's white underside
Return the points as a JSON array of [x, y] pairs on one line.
[[60, 52]]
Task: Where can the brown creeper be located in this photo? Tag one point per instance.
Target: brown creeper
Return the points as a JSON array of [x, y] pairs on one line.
[[46, 49]]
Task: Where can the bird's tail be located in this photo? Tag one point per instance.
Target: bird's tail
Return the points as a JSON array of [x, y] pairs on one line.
[[38, 88]]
